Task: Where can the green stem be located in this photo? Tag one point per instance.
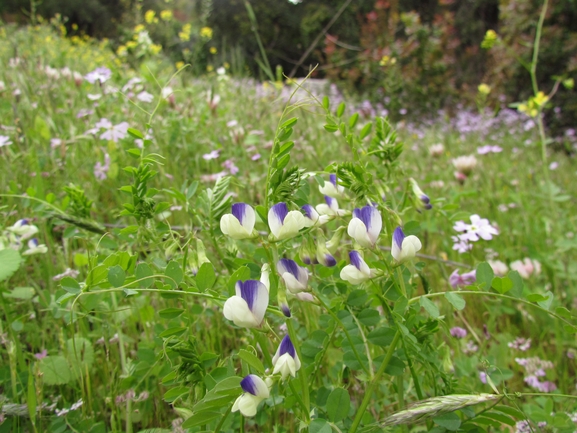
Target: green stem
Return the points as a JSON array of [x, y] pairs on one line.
[[298, 397], [301, 373], [336, 318], [365, 342], [124, 366], [219, 426], [416, 380], [369, 391], [535, 58]]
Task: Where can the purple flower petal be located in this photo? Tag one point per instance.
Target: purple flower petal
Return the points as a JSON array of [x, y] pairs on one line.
[[309, 211], [248, 384], [398, 237], [239, 210], [280, 211], [329, 261], [286, 346], [371, 218], [333, 179], [356, 259], [290, 266]]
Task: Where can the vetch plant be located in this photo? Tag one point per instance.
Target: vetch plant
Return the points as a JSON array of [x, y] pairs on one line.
[[231, 303]]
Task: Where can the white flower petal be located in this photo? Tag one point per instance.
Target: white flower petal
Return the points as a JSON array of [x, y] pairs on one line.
[[236, 309], [351, 274], [293, 223], [231, 226], [358, 231]]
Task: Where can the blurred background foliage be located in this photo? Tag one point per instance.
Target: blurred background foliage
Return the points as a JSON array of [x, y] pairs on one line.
[[418, 55]]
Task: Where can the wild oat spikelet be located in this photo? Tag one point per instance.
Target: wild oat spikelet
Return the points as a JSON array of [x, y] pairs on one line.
[[433, 406]]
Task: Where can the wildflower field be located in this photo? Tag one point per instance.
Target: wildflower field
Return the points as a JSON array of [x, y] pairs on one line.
[[216, 254]]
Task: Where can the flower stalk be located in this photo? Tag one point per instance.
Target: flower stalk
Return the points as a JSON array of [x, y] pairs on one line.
[[373, 384]]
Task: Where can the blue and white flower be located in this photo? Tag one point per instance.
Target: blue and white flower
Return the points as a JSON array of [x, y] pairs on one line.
[[294, 276], [324, 257], [312, 217], [286, 360], [247, 308], [255, 391], [404, 247], [331, 188], [284, 224], [330, 208], [423, 200], [23, 229], [35, 248], [240, 223], [358, 271], [365, 226]]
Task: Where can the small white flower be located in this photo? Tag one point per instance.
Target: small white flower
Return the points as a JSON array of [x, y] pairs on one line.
[[213, 154], [240, 223], [23, 229], [114, 132], [358, 271], [255, 391], [144, 96], [479, 228], [35, 248], [5, 141], [436, 149], [365, 226], [465, 164], [330, 208], [404, 247], [312, 217], [294, 276], [99, 74], [286, 361], [331, 188], [284, 224], [247, 308]]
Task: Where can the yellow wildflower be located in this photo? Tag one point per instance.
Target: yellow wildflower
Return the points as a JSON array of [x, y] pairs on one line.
[[206, 32], [212, 50], [155, 48], [226, 65], [484, 89], [179, 65], [166, 15], [139, 28], [540, 99], [74, 26], [184, 35], [149, 16], [210, 68], [131, 44], [121, 50], [490, 39]]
